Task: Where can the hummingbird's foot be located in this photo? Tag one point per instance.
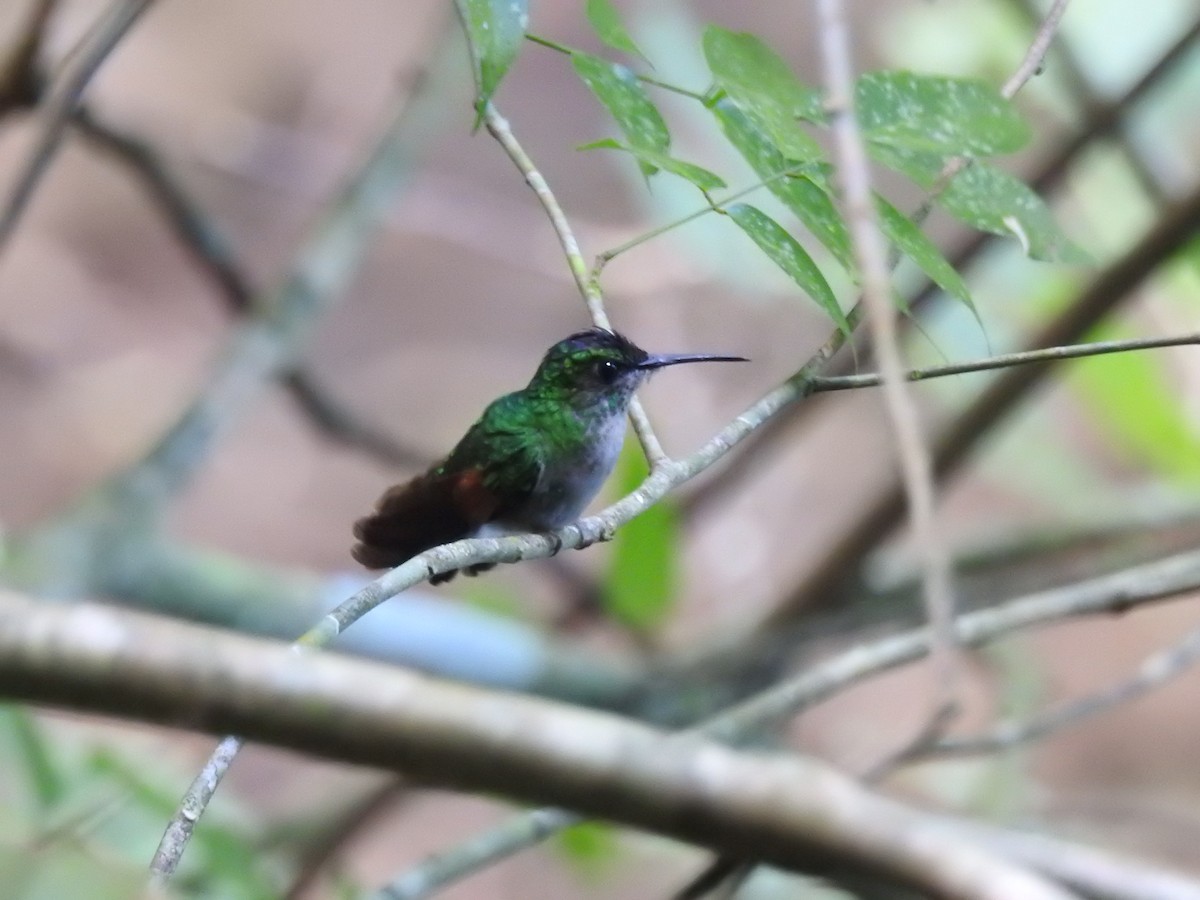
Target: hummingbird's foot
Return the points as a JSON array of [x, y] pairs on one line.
[[479, 567]]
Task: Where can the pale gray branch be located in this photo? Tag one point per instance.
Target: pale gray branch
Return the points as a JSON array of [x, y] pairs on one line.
[[916, 465], [1155, 671], [794, 812], [1038, 48]]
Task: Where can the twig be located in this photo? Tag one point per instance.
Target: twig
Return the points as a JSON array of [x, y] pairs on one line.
[[19, 78], [268, 345], [1088, 98], [1036, 54], [823, 383], [915, 465], [195, 801], [365, 812], [589, 288], [1092, 872], [59, 105], [195, 231], [1153, 672], [645, 79], [1030, 65], [1116, 593], [336, 421], [603, 259], [477, 853]]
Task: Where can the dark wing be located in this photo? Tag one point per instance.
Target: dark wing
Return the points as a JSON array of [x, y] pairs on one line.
[[499, 462], [491, 471]]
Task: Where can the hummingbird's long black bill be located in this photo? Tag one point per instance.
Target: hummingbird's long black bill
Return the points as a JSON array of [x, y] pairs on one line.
[[660, 360]]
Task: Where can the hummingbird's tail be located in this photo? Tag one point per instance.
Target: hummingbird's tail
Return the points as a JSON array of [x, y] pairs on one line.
[[411, 518]]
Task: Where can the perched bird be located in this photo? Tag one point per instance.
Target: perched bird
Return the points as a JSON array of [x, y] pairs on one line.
[[532, 462]]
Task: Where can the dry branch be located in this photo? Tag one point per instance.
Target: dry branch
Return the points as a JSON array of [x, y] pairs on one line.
[[797, 813]]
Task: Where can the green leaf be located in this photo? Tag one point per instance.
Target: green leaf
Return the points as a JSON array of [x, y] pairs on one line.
[[643, 568], [949, 116], [622, 95], [697, 175], [914, 244], [786, 252], [589, 845], [1135, 397], [991, 200], [34, 754], [607, 24], [765, 88], [921, 166], [497, 30], [806, 194]]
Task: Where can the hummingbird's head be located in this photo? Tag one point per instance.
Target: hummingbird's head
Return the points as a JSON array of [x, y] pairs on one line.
[[600, 366]]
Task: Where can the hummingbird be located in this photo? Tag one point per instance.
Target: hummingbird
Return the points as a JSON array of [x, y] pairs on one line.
[[533, 460]]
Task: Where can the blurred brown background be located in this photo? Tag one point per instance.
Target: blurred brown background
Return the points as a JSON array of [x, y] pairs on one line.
[[108, 328]]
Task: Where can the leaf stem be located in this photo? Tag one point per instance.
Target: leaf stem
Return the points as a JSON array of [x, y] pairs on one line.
[[608, 256], [645, 79], [1005, 360]]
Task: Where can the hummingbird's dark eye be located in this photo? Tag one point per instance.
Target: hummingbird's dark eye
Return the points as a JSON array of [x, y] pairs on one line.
[[607, 371]]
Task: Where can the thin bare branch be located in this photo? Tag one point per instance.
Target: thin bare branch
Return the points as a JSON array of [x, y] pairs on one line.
[[1030, 65], [1038, 48], [1005, 360], [1101, 874], [269, 344], [1155, 671], [19, 77], [589, 288], [334, 419], [1074, 76], [195, 801], [60, 103], [365, 812], [916, 467]]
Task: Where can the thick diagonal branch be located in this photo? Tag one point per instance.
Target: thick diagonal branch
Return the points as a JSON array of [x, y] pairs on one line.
[[795, 812]]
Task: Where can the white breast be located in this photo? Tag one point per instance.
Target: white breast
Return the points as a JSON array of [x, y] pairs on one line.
[[570, 481]]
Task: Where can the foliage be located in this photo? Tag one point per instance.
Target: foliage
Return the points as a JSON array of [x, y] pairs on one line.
[[643, 569], [922, 126], [74, 813]]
